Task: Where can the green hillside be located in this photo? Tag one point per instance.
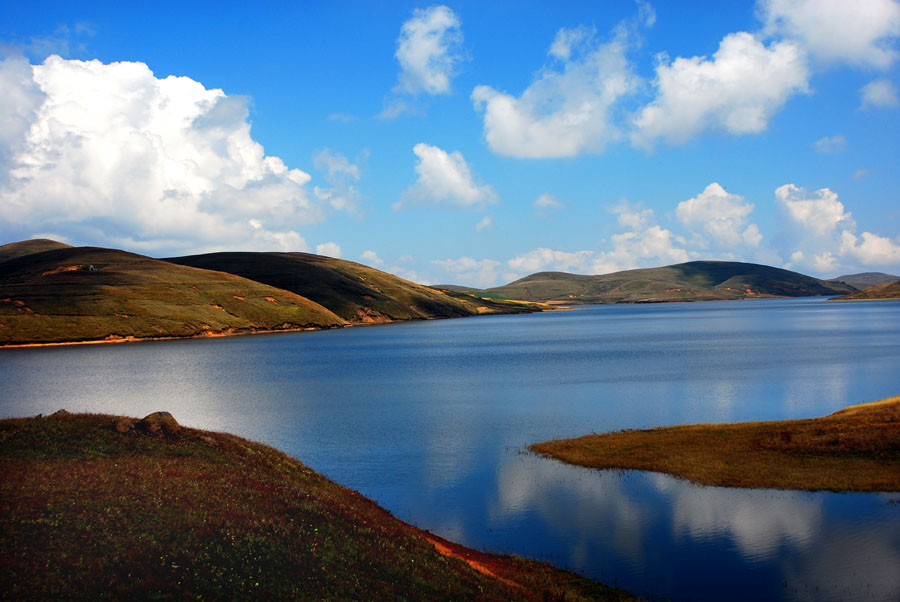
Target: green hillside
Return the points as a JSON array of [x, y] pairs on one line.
[[88, 293], [888, 290], [692, 281], [113, 508], [355, 292], [865, 279]]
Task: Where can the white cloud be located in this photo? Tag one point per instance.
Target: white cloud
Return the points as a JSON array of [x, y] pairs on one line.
[[330, 249], [19, 103], [108, 153], [484, 223], [881, 93], [546, 203], [567, 109], [479, 273], [428, 51], [372, 258], [820, 213], [859, 33], [261, 239], [444, 180], [335, 164], [820, 234], [339, 173], [643, 245], [738, 91], [719, 218], [830, 145], [870, 249], [544, 259]]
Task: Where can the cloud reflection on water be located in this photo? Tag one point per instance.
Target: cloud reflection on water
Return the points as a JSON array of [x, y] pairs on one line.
[[639, 525]]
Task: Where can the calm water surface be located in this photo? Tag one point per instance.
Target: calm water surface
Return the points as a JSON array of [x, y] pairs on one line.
[[430, 419]]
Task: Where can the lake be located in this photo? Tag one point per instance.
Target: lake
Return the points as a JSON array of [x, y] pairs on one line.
[[431, 420]]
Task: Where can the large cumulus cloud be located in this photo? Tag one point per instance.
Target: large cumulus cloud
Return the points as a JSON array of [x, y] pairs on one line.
[[111, 154]]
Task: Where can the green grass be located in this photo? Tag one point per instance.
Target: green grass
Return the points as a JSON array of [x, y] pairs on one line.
[[88, 512], [355, 292], [54, 296], [856, 449], [692, 281]]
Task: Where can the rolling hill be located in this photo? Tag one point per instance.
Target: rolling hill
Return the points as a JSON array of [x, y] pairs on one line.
[[692, 281], [888, 290], [355, 292], [71, 294], [29, 247], [865, 279]]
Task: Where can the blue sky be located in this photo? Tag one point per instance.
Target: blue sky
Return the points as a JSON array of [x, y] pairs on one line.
[[466, 142]]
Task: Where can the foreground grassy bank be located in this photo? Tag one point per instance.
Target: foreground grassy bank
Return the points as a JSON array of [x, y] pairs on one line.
[[103, 507], [855, 449]]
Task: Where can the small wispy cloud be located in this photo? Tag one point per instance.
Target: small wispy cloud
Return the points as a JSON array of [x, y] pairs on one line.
[[830, 145], [546, 203], [486, 222], [881, 93], [429, 51]]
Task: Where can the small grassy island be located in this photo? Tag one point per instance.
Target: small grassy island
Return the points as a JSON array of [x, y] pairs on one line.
[[104, 507], [854, 449]]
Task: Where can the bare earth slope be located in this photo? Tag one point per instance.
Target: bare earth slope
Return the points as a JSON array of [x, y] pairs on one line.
[[692, 281], [88, 293], [889, 290], [355, 292]]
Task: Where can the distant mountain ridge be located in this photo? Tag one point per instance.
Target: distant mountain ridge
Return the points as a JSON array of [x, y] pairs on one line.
[[865, 279], [53, 293], [691, 281]]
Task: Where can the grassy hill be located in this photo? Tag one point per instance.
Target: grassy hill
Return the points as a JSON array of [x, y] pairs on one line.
[[355, 292], [108, 508], [692, 281], [888, 290], [88, 293], [865, 279], [29, 247]]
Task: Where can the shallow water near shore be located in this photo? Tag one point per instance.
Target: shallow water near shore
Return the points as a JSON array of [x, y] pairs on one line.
[[430, 419]]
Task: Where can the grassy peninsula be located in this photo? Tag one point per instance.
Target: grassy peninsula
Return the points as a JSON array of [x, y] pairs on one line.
[[98, 507], [854, 449]]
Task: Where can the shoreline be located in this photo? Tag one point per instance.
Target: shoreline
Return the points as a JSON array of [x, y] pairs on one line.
[[851, 450], [115, 339], [204, 502]]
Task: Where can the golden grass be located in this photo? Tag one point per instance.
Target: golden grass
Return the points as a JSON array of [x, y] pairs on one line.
[[854, 449]]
